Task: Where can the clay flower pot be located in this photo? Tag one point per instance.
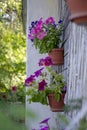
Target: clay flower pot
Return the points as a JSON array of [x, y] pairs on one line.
[[56, 106], [57, 56], [78, 10]]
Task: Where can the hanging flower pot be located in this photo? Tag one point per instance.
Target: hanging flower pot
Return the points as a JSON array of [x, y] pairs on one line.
[[78, 9], [57, 56], [56, 106]]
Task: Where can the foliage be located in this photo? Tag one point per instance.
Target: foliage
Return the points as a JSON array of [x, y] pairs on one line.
[[46, 35], [12, 94], [12, 47], [40, 85], [12, 59], [83, 124], [10, 13], [12, 66]]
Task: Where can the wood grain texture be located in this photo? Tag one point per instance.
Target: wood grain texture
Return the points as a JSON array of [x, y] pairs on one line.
[[75, 58]]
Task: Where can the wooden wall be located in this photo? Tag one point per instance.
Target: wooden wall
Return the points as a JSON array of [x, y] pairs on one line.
[[75, 55]]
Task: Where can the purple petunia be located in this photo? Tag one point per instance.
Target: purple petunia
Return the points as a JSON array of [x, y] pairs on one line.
[[41, 62], [48, 61], [29, 80], [38, 72], [45, 62], [42, 85]]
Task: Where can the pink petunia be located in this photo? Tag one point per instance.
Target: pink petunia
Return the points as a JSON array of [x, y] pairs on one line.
[[50, 20], [38, 30], [33, 31], [41, 35], [39, 24]]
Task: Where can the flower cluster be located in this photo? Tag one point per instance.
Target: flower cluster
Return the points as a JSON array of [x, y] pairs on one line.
[[45, 34], [32, 78], [44, 81]]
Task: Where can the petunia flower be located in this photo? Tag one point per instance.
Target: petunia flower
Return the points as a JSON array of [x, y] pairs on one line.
[[33, 31], [29, 80], [39, 24], [38, 72], [41, 62], [47, 61], [37, 31], [41, 35], [30, 36], [42, 85], [50, 20], [14, 88]]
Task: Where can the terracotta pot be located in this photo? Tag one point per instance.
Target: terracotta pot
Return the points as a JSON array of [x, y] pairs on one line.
[[56, 106], [57, 56], [78, 9]]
